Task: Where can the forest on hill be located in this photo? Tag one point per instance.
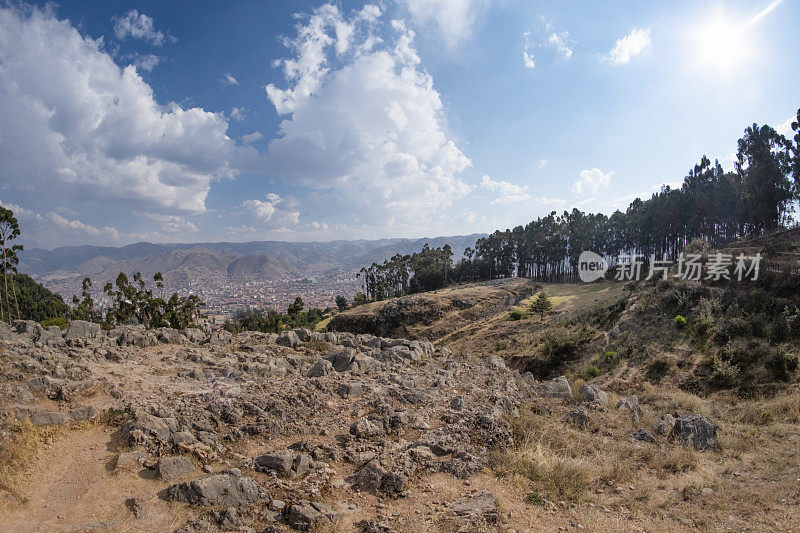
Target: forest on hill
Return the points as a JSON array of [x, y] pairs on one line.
[[712, 205]]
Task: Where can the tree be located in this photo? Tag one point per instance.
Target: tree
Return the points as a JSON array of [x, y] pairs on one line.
[[359, 299], [341, 303], [295, 308], [9, 230], [84, 307], [541, 305]]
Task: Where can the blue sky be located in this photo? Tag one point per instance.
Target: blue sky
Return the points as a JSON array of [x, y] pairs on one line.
[[198, 121]]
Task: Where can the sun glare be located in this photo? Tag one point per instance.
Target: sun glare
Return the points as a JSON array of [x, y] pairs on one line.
[[721, 45]]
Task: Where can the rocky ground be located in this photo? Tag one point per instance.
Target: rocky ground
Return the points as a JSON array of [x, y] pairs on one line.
[[173, 431]]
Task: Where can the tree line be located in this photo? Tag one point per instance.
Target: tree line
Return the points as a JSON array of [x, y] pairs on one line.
[[271, 321], [712, 205]]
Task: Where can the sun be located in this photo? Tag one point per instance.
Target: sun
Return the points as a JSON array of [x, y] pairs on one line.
[[721, 45]]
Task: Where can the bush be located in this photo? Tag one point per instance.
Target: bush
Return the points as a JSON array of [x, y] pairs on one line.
[[590, 372], [724, 374], [61, 322], [680, 322], [610, 357], [516, 314], [782, 364], [560, 344]]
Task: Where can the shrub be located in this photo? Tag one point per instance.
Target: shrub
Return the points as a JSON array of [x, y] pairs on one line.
[[782, 364], [516, 314], [610, 357], [61, 322], [590, 372], [680, 322], [724, 375], [559, 345]]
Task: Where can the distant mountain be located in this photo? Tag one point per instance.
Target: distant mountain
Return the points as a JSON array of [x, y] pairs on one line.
[[214, 264]]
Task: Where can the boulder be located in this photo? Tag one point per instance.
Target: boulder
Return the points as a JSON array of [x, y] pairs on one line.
[[28, 328], [593, 395], [323, 367], [696, 431], [306, 515], [631, 405], [341, 357], [664, 426], [228, 488], [578, 416], [288, 339], [81, 329], [303, 334], [375, 479], [172, 467], [49, 418], [555, 388], [480, 507], [220, 337], [641, 434], [194, 335]]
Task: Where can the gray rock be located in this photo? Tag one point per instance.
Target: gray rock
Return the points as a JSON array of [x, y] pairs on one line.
[[632, 406], [555, 388], [578, 416], [696, 431], [276, 505], [303, 334], [80, 329], [364, 428], [592, 394], [81, 413], [133, 460], [220, 337], [642, 435], [480, 507], [664, 426], [375, 479], [323, 367], [288, 338], [346, 390], [220, 489], [279, 461], [194, 335], [28, 328], [306, 515], [48, 418], [341, 357], [172, 467]]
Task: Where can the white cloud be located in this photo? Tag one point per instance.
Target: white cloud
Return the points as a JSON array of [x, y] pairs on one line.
[[252, 137], [507, 192], [785, 127], [172, 224], [53, 229], [561, 43], [275, 210], [528, 58], [146, 62], [239, 114], [630, 46], [368, 136], [76, 123], [592, 180], [453, 18], [139, 26], [543, 163], [230, 80]]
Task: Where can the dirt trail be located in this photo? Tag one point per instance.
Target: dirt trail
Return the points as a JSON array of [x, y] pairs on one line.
[[71, 487]]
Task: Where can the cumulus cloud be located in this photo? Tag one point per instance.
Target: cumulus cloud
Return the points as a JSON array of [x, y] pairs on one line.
[[507, 192], [543, 163], [274, 209], [54, 229], [75, 122], [239, 114], [629, 46], [592, 180], [454, 19], [561, 43], [229, 80], [172, 224], [139, 26], [369, 133]]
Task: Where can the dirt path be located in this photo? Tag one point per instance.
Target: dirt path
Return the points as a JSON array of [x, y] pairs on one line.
[[71, 487]]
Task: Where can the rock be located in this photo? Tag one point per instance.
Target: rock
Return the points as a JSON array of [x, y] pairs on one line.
[[556, 388], [593, 395], [276, 505], [80, 329], [375, 479], [48, 418], [480, 507], [341, 357], [664, 426], [220, 337], [364, 428], [172, 467], [280, 461], [86, 412], [226, 489], [169, 336], [227, 519], [194, 335], [288, 338], [306, 515], [695, 430], [578, 416], [133, 460], [642, 435], [303, 334], [632, 406], [346, 390], [28, 328], [323, 367], [138, 506]]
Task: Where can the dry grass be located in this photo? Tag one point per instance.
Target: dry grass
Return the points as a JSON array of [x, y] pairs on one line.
[[19, 449]]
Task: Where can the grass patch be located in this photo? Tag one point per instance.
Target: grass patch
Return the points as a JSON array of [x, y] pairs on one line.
[[317, 346], [19, 449]]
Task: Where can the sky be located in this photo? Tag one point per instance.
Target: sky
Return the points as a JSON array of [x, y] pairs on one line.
[[203, 121]]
